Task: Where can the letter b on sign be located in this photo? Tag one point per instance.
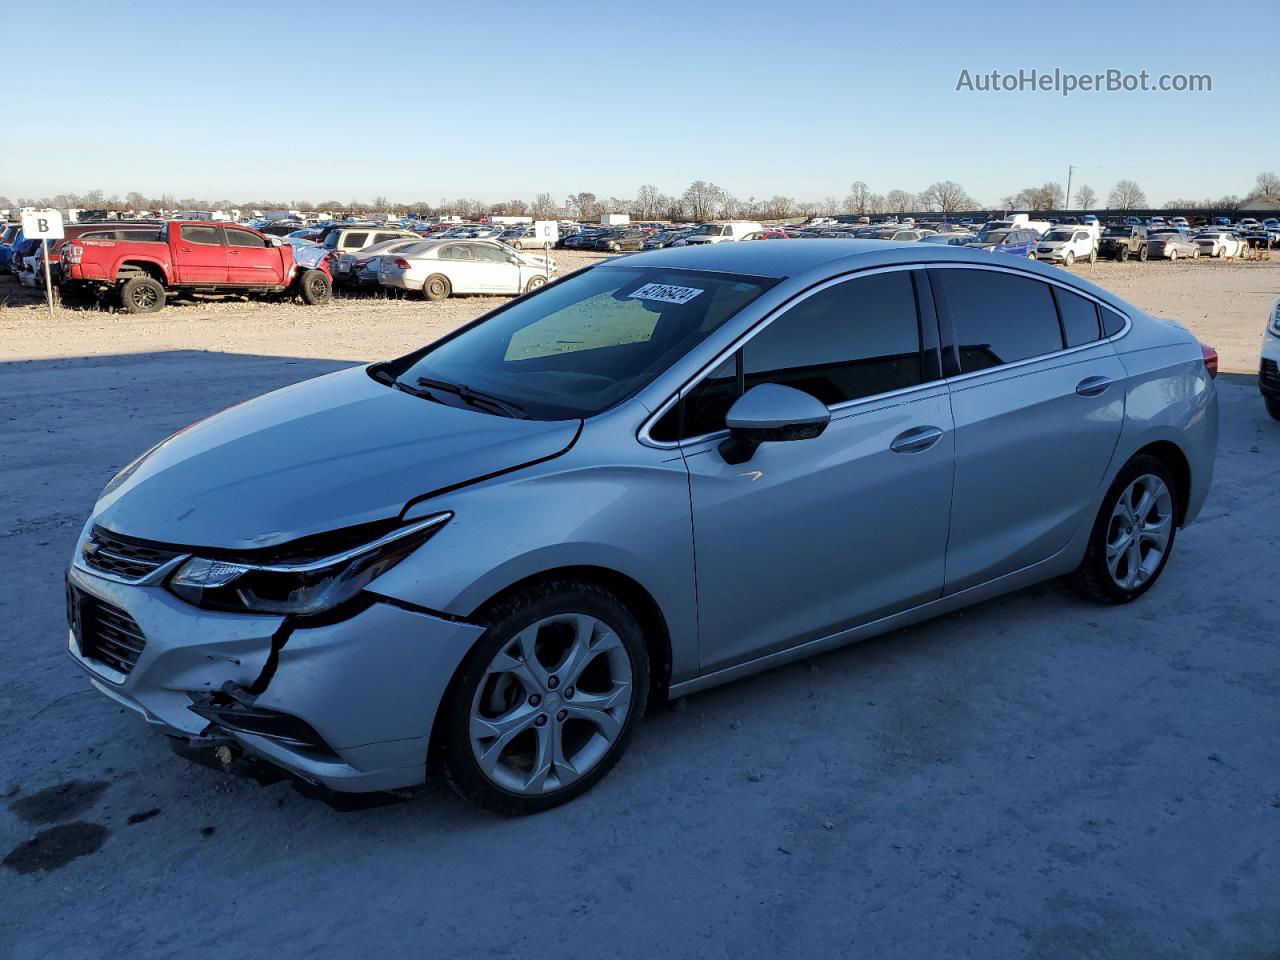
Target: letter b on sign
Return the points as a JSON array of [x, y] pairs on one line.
[[42, 225]]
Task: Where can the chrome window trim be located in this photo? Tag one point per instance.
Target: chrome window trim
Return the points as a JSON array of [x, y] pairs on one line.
[[643, 433]]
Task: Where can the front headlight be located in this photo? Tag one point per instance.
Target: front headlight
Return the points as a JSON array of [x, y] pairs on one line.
[[301, 587], [1273, 327]]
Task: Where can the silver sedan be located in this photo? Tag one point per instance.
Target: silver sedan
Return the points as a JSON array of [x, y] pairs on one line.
[[482, 553]]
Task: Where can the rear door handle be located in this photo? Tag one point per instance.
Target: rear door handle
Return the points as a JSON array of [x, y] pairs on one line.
[[1093, 386], [915, 439]]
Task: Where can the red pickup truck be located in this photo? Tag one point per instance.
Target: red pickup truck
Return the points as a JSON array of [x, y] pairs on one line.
[[192, 257]]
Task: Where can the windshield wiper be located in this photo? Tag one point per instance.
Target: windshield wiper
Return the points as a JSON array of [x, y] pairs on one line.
[[476, 398]]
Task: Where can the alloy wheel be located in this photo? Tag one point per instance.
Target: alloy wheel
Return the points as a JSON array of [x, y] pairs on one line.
[[144, 297], [551, 704], [1139, 531]]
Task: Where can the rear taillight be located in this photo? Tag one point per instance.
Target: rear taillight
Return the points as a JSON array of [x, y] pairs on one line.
[[72, 253], [401, 263], [1210, 360], [363, 262]]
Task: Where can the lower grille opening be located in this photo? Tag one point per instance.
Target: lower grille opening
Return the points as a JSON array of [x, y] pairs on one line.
[[106, 633], [284, 728]]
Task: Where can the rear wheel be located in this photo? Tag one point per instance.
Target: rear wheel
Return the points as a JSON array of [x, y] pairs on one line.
[[1143, 253], [548, 699], [315, 287], [1195, 254], [1133, 534], [1031, 255], [1069, 259], [437, 287], [1173, 254], [1273, 407], [141, 295], [534, 283]]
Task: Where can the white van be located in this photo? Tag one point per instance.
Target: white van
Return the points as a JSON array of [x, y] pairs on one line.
[[719, 231]]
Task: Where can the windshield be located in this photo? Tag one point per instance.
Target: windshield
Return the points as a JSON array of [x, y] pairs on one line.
[[587, 342], [709, 230], [1058, 235]]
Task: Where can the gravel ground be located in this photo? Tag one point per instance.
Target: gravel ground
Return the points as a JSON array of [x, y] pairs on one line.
[[1033, 777]]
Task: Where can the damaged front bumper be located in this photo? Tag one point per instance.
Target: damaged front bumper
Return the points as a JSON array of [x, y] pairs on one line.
[[348, 704]]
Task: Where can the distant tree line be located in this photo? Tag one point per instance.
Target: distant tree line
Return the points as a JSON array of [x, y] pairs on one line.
[[701, 200]]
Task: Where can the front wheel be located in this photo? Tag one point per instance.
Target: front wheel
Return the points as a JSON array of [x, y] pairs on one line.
[[1133, 534], [1173, 255], [1031, 255], [1195, 254], [547, 700], [141, 295], [315, 288], [1123, 255]]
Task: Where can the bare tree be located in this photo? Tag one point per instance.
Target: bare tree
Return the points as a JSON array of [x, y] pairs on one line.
[[900, 201], [544, 207], [584, 205], [1266, 186], [877, 203], [858, 198], [777, 208], [648, 201], [947, 196], [701, 199], [1126, 195], [1085, 197]]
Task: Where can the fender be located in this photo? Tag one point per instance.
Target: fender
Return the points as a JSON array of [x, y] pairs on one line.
[[129, 258]]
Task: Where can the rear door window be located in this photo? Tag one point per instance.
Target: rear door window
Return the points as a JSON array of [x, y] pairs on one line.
[[206, 235], [1079, 317], [355, 241], [998, 317]]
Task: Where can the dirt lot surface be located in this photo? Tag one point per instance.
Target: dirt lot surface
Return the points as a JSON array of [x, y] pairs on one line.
[[1225, 304], [1034, 777]]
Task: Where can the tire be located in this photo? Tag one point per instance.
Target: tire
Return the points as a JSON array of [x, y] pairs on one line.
[[1068, 259], [1095, 578], [437, 287], [1195, 255], [497, 695], [1143, 253], [315, 288], [1031, 255], [1123, 255], [1218, 252], [1173, 255], [141, 295], [1273, 407], [534, 283]]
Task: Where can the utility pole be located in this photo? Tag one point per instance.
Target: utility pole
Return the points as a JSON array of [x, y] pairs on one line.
[[1066, 202]]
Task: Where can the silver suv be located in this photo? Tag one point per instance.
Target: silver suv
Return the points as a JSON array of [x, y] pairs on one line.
[[486, 558]]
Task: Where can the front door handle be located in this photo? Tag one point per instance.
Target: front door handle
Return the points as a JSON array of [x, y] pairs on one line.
[[916, 439], [1093, 386]]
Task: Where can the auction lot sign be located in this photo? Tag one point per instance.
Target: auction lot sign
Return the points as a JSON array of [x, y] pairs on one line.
[[43, 225]]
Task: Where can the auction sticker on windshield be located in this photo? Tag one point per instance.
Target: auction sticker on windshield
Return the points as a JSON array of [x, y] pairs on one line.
[[664, 293]]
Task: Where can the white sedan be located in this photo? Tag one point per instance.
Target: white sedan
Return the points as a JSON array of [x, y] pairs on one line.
[[1219, 243], [440, 268]]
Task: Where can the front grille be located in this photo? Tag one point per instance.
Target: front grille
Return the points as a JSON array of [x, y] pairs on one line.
[[105, 632], [123, 556], [1269, 375]]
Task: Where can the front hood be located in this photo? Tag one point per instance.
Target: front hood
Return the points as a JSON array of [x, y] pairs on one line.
[[332, 452]]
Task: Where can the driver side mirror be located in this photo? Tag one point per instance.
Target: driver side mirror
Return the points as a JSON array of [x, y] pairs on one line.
[[771, 413]]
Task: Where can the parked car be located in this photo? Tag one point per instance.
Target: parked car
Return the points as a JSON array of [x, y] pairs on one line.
[[1067, 245], [1170, 245], [1269, 369], [440, 268], [719, 231], [8, 237], [663, 239], [343, 239], [192, 256], [1122, 242], [951, 239], [1219, 243], [768, 235], [625, 238], [484, 550], [343, 264], [1018, 243]]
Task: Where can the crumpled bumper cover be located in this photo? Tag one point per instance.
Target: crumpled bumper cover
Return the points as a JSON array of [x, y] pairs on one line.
[[369, 685]]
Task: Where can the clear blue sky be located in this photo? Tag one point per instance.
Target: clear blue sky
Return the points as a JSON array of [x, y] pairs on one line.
[[313, 100]]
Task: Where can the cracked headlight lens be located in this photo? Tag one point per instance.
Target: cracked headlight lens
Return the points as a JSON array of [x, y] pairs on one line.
[[300, 588]]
